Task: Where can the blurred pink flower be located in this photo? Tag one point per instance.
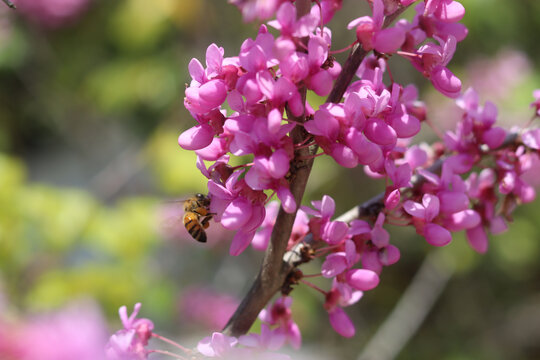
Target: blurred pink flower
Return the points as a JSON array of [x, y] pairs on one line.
[[52, 13], [207, 307], [76, 332]]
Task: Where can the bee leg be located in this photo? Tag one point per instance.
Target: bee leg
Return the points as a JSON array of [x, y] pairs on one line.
[[206, 221]]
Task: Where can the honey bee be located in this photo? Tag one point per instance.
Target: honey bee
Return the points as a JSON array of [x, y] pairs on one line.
[[195, 209]]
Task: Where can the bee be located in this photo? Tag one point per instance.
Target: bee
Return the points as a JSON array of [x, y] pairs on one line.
[[195, 209]]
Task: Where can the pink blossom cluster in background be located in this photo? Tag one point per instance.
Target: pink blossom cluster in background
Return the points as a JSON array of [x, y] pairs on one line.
[[52, 13], [206, 307], [76, 332]]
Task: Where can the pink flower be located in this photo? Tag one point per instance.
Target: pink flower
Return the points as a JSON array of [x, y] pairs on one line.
[[434, 59], [52, 13], [237, 207], [207, 307], [536, 103], [371, 35], [217, 345], [279, 315], [256, 9], [332, 232], [289, 25], [130, 342], [75, 332]]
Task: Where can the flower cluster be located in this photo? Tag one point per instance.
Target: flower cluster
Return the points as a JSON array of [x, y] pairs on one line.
[[259, 85], [262, 87], [130, 342]]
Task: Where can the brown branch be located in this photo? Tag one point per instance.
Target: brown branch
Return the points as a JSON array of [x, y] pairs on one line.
[[10, 4]]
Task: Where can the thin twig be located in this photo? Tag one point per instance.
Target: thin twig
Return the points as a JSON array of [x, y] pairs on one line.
[[411, 310], [10, 4]]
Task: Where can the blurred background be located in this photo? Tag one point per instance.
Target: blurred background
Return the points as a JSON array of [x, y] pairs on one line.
[[91, 105]]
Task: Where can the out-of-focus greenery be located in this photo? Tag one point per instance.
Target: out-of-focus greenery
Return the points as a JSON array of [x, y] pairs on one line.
[[89, 116]]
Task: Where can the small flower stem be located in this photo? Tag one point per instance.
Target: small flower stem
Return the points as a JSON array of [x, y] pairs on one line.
[[241, 166], [309, 138], [321, 12], [169, 341], [406, 54], [269, 198], [312, 275], [327, 248], [310, 156], [390, 75], [163, 352], [530, 121], [296, 147], [435, 129], [344, 49], [313, 286]]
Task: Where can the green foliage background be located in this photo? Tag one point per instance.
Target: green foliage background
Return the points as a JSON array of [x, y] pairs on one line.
[[89, 116]]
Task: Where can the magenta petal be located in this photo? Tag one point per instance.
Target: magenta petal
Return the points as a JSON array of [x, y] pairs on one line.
[[334, 265], [389, 40], [344, 156], [240, 242], [406, 125], [452, 201], [359, 227], [371, 261], [450, 11], [494, 137], [274, 121], [414, 209], [432, 206], [214, 151], [389, 255], [196, 70], [327, 124], [321, 83], [436, 235], [380, 237], [236, 214], [258, 213], [327, 206], [531, 138], [446, 82], [278, 166], [392, 199], [213, 93], [366, 151], [334, 232], [497, 225], [196, 138], [341, 323], [287, 199], [380, 133], [462, 220], [318, 51], [362, 279], [478, 239]]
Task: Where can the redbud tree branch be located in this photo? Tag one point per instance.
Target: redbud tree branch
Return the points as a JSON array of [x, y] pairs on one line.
[[274, 269], [10, 4]]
